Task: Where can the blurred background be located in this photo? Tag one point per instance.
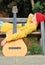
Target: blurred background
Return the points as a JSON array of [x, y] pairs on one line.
[[24, 7]]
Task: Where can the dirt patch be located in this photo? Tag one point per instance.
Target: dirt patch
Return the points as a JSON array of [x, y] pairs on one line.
[[3, 14]]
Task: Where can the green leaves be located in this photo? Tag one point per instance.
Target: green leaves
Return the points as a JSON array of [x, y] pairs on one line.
[[35, 49], [36, 7], [39, 7], [0, 48]]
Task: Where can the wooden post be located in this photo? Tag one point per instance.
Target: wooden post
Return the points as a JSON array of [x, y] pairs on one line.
[[43, 36], [14, 10]]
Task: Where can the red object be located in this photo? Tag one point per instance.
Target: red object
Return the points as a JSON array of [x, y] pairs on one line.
[[40, 17]]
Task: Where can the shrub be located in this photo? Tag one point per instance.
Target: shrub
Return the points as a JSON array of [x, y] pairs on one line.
[[35, 49], [39, 7]]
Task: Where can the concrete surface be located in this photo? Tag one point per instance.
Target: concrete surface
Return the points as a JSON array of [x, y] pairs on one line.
[[24, 60]]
